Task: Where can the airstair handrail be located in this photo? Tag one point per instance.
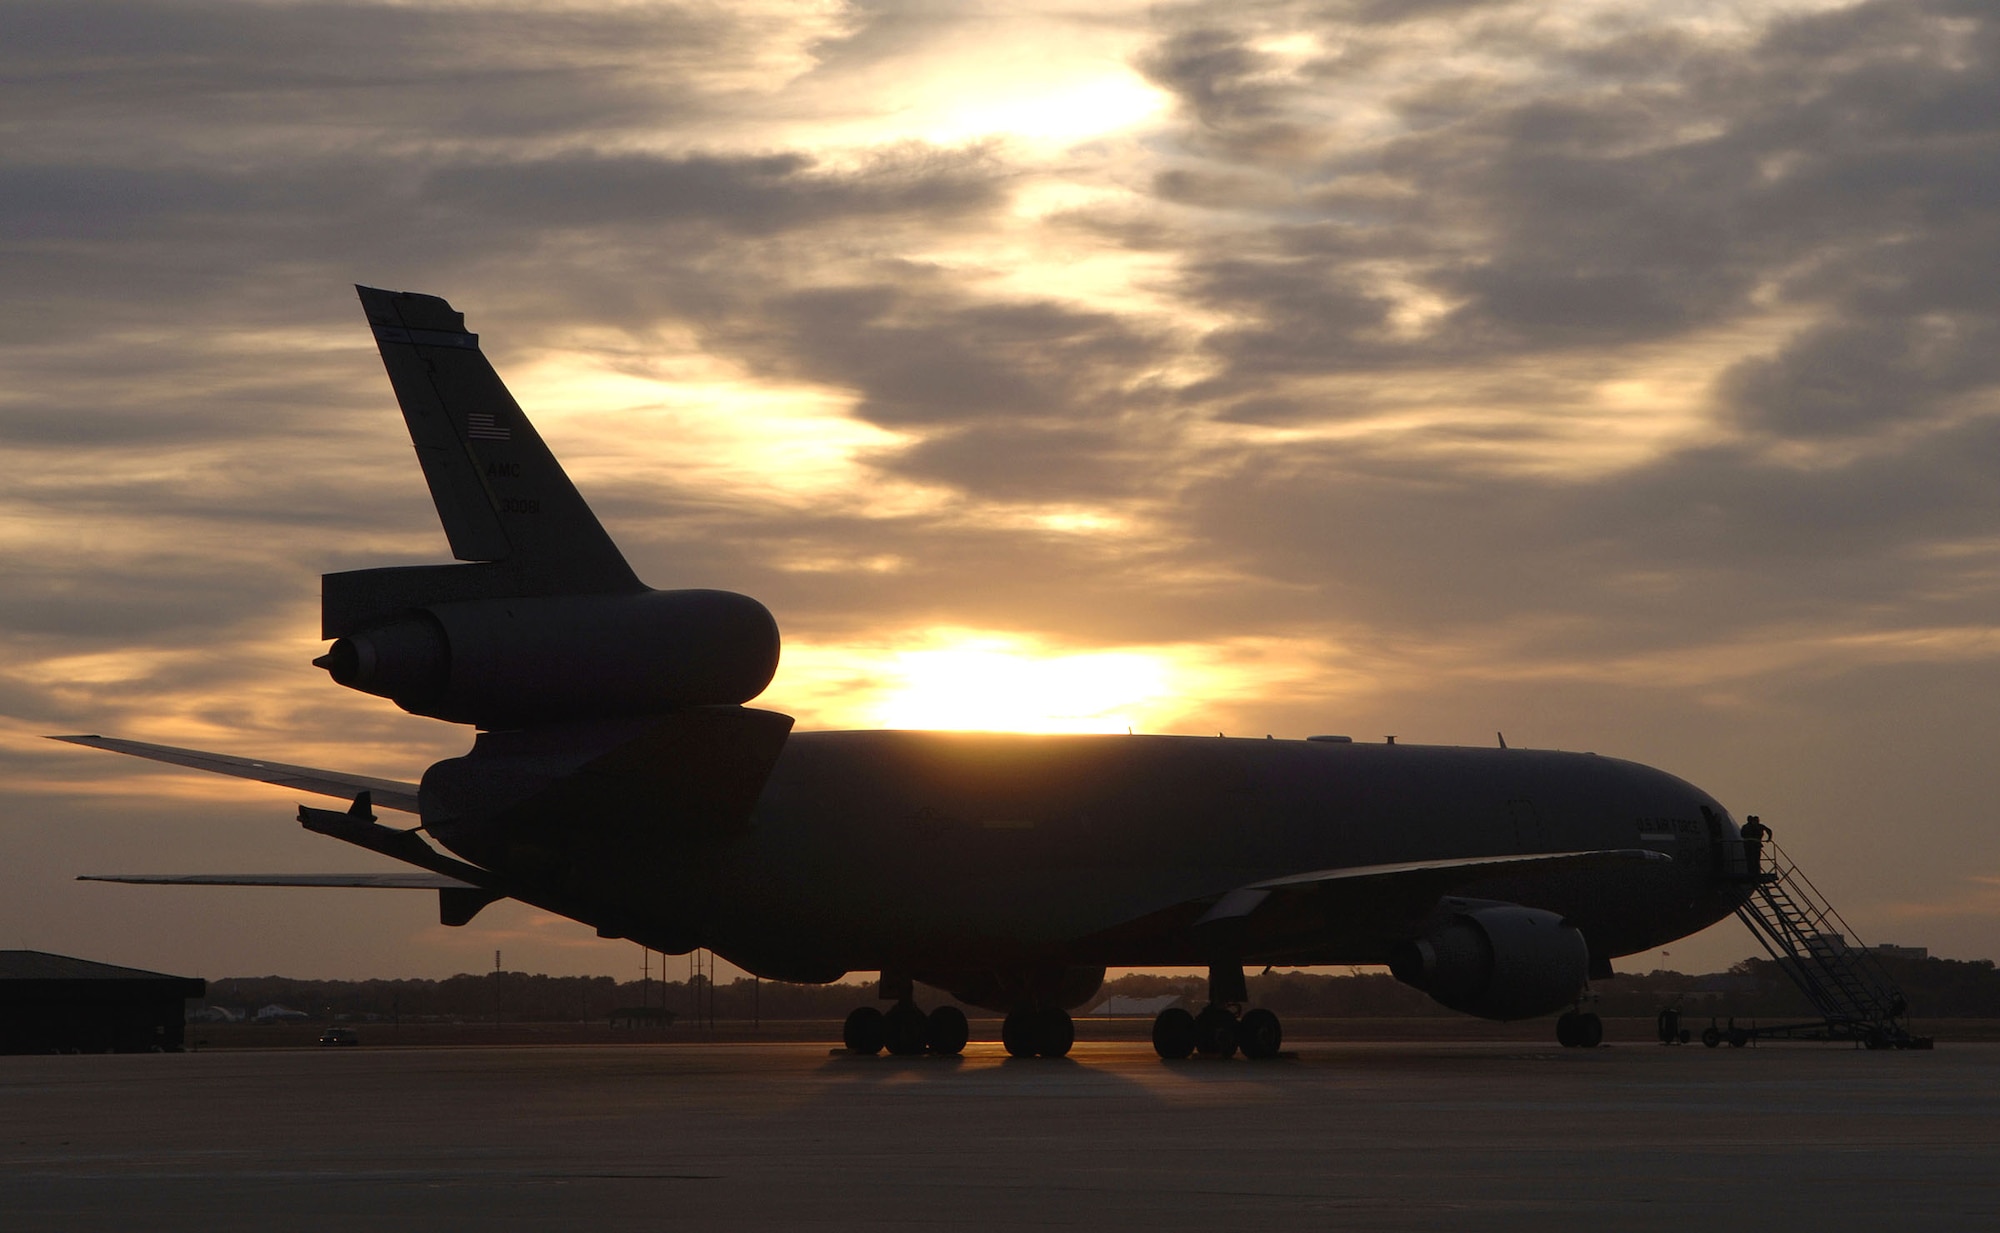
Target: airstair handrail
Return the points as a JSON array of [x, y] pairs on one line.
[[1815, 947]]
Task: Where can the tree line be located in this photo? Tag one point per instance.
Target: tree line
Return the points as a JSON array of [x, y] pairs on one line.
[[1936, 988]]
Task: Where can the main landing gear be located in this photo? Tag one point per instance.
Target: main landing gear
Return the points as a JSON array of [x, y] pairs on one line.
[[906, 1031], [1044, 1031], [1217, 1032]]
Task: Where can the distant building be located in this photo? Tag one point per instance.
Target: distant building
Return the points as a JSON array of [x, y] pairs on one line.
[[56, 1004], [275, 1013], [1903, 952]]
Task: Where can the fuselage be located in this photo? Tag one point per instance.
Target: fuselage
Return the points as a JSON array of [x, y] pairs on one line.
[[621, 780], [932, 850]]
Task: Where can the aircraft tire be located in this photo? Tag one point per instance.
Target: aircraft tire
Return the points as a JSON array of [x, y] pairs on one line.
[[1589, 1030], [1173, 1034], [1711, 1036], [1056, 1034], [1017, 1033], [946, 1031], [1260, 1034], [1566, 1029], [864, 1031], [1215, 1033], [1738, 1037], [904, 1029]]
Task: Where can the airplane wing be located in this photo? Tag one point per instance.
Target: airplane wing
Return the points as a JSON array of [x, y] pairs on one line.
[[388, 793], [1439, 876], [377, 881]]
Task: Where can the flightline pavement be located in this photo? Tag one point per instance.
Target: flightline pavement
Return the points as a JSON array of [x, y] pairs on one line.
[[1486, 1135]]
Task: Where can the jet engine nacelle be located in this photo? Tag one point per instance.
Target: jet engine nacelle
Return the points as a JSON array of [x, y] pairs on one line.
[[1499, 962], [502, 663]]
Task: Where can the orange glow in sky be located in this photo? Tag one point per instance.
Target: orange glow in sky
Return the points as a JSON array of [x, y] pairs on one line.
[[1602, 372]]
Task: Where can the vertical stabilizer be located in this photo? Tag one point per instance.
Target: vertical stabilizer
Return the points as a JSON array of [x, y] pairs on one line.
[[500, 493]]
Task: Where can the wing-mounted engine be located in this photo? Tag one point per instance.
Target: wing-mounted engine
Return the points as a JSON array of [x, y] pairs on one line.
[[1498, 961]]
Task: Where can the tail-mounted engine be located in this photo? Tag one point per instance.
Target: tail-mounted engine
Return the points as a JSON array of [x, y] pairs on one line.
[[545, 622], [510, 662], [1499, 962]]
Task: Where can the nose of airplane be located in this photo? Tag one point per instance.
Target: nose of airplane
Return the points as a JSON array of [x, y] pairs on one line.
[[1735, 853]]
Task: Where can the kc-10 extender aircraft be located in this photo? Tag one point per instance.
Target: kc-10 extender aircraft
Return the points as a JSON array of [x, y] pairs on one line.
[[617, 778]]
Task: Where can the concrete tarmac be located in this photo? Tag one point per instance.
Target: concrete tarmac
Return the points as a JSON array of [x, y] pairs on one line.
[[784, 1135]]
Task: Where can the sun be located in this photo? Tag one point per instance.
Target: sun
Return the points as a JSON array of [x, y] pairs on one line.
[[999, 683]]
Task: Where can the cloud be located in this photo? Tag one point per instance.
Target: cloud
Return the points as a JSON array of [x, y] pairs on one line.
[[738, 193], [1607, 195], [1626, 367], [329, 75], [1575, 191]]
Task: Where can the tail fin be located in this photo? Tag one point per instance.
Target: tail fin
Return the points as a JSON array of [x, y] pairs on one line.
[[500, 493]]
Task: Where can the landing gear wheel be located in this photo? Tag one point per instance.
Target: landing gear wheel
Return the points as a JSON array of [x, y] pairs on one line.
[[1174, 1034], [1017, 1033], [1711, 1036], [1260, 1034], [1738, 1037], [863, 1032], [1566, 1029], [1215, 1033], [1589, 1030], [1038, 1032], [904, 1029], [946, 1031], [1057, 1033]]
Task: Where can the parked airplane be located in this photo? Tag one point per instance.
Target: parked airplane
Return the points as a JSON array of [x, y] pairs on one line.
[[617, 778]]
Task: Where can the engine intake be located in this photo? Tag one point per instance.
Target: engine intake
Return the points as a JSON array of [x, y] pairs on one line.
[[502, 663], [1498, 962]]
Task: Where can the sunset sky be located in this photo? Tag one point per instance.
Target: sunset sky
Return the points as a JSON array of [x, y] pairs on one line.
[[1621, 376]]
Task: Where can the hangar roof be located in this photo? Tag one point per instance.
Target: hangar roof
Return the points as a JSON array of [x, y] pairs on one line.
[[39, 971], [40, 965]]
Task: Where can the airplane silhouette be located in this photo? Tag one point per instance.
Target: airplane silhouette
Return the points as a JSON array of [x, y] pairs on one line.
[[618, 778]]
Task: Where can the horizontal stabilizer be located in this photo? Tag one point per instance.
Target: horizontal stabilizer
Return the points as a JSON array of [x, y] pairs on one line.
[[388, 793], [458, 902], [368, 881], [1438, 877]]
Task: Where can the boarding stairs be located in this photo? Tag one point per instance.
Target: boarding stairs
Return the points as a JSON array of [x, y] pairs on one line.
[[1817, 949]]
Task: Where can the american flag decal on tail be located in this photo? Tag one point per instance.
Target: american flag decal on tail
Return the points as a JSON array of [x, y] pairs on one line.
[[480, 427]]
